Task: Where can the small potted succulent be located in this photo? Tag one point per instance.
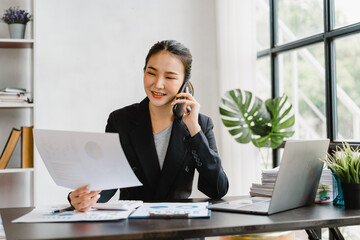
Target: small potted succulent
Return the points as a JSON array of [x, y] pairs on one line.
[[17, 20], [345, 164]]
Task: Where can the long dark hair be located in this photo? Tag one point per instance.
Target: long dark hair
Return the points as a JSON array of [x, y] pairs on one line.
[[177, 49]]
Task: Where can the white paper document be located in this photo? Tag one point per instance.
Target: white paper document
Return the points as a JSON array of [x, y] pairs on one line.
[[45, 214], [172, 210], [75, 159]]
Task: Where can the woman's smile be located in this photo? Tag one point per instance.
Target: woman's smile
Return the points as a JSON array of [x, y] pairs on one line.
[[157, 94]]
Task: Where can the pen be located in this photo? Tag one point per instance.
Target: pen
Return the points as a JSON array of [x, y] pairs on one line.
[[64, 210]]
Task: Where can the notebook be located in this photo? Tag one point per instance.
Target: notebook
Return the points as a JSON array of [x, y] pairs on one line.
[[296, 183]]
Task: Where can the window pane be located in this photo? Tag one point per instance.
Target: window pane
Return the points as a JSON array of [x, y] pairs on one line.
[[262, 24], [263, 91], [299, 19], [346, 12], [302, 79], [263, 81], [348, 87]]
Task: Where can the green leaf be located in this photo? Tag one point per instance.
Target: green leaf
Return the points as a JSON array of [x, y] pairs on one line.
[[256, 120], [260, 142], [244, 138], [227, 113], [229, 123], [286, 124]]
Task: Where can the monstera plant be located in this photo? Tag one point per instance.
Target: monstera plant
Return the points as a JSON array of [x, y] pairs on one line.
[[248, 118]]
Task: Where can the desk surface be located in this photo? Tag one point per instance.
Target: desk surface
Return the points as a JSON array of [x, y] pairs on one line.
[[220, 223]]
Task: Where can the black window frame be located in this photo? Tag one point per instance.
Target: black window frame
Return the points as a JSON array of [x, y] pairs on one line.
[[328, 36]]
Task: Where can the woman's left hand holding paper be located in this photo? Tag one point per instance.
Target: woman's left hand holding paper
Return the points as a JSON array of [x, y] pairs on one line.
[[82, 199]]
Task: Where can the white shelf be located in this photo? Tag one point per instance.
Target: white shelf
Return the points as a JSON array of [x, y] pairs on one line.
[[16, 170], [16, 105], [16, 43], [13, 40]]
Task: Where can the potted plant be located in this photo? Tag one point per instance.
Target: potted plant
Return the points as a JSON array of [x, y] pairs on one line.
[[248, 118], [344, 162], [16, 20]]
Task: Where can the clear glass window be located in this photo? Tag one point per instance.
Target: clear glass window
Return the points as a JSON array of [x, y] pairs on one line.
[[302, 79], [299, 19], [348, 87], [346, 12]]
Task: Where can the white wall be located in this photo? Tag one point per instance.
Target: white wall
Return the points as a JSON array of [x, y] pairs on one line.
[[89, 60]]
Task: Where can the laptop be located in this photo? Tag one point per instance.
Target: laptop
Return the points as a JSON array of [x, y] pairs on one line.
[[296, 183]]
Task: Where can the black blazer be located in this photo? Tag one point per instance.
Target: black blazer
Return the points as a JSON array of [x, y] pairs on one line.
[[184, 154]]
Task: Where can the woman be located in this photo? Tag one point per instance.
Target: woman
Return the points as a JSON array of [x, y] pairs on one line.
[[164, 150]]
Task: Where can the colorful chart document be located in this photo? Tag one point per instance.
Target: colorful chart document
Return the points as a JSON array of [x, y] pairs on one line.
[[172, 210], [46, 214], [75, 159]]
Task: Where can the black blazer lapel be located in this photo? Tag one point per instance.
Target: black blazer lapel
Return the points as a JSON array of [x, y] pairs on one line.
[[174, 159], [142, 140]]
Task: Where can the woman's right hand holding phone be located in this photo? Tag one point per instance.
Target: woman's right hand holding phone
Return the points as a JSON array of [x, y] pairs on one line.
[[82, 199]]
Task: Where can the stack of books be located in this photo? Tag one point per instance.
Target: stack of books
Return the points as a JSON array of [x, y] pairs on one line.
[[16, 95], [268, 178]]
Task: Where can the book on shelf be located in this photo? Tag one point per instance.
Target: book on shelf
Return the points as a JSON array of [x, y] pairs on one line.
[[13, 98], [9, 147], [27, 147]]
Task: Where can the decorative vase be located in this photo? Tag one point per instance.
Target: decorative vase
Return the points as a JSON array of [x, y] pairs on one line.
[[337, 191], [17, 30], [351, 194]]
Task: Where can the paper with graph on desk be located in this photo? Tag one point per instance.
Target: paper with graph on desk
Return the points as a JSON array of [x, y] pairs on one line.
[[46, 214], [172, 210]]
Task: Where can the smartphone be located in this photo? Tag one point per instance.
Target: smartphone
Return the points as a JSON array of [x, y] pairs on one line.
[[178, 108]]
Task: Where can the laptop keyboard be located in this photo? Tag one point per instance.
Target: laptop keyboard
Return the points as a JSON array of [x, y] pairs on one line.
[[258, 206]]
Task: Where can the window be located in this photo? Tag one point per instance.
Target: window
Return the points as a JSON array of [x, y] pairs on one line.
[[348, 87], [313, 58], [302, 79], [299, 19]]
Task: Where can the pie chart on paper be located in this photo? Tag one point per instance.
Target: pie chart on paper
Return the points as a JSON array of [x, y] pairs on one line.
[[93, 150]]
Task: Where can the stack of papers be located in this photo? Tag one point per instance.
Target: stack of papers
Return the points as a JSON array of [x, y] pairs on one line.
[[13, 95], [266, 187], [268, 178], [325, 189], [46, 214]]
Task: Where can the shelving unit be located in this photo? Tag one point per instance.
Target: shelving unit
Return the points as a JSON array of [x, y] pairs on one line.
[[16, 70]]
